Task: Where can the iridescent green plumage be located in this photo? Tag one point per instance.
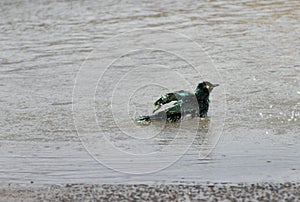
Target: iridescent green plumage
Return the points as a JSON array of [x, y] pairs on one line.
[[194, 104]]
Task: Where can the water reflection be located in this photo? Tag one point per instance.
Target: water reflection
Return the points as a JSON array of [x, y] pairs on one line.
[[171, 129]]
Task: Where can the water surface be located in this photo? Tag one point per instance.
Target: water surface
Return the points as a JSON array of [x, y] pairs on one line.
[[254, 51]]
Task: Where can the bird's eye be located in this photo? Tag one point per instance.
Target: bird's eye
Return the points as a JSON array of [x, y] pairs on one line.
[[207, 86]]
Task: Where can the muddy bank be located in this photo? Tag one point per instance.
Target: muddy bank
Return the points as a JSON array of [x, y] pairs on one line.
[[205, 192]]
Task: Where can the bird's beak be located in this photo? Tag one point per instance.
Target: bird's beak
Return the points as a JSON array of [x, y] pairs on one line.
[[215, 85]]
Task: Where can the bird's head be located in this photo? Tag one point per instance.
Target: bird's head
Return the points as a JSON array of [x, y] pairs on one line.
[[205, 87]]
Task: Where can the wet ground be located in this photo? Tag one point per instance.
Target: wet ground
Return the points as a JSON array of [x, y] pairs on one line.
[[130, 53]]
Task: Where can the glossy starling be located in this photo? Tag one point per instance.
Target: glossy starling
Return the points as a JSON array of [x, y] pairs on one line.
[[195, 104]]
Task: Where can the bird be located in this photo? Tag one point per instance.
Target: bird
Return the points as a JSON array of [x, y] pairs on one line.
[[186, 103]]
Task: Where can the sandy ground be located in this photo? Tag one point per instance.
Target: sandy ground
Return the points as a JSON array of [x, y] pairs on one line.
[[205, 192]]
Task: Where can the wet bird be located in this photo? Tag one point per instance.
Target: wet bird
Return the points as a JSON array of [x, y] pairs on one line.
[[186, 103]]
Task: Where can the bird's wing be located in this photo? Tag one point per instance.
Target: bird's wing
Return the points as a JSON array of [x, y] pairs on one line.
[[169, 97], [164, 99]]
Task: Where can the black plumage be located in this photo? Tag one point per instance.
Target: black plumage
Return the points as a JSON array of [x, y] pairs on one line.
[[194, 104]]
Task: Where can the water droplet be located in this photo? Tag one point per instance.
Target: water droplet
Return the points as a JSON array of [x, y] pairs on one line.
[[293, 115]]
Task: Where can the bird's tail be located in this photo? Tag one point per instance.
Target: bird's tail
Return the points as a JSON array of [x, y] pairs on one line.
[[146, 119], [143, 119]]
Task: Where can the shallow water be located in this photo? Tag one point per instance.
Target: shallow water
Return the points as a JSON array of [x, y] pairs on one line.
[[130, 53]]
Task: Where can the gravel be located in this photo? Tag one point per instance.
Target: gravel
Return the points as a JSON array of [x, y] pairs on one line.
[[165, 192]]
